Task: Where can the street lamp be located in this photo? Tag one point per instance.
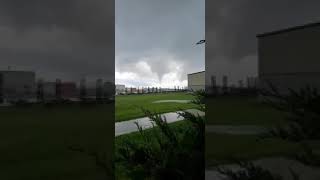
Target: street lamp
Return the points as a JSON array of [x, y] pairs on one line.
[[201, 42]]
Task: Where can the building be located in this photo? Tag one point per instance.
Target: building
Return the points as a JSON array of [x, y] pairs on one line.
[[91, 92], [290, 58], [68, 90], [196, 81], [17, 85], [49, 90], [252, 82], [108, 89], [120, 89]]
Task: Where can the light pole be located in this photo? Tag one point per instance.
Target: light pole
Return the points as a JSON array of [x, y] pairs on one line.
[[201, 42]]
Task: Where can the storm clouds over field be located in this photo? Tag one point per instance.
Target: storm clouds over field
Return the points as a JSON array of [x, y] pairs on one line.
[[57, 38], [155, 41]]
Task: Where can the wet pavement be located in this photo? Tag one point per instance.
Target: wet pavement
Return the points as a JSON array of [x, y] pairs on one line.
[[126, 127], [279, 166], [236, 130]]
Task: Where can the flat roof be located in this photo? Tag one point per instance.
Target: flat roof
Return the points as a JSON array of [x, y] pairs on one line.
[[9, 71], [196, 72], [289, 29]]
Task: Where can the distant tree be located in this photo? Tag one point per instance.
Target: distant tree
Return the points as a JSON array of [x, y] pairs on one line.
[[40, 91], [83, 89], [1, 89], [99, 89], [58, 89]]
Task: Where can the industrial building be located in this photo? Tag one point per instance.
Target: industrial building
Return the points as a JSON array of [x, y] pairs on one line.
[[17, 85], [290, 58], [68, 90], [196, 81], [120, 89], [108, 89], [58, 89], [49, 90]]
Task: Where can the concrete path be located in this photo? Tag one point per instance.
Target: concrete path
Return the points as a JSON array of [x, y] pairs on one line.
[[172, 101], [126, 127], [5, 104], [236, 130], [280, 166]]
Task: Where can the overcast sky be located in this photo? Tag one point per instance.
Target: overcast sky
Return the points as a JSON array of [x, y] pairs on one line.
[[232, 26], [155, 41], [67, 39]]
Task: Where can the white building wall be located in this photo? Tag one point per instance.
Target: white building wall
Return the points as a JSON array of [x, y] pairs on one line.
[[120, 88], [290, 59], [196, 81]]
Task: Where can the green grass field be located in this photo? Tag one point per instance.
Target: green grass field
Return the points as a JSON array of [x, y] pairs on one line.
[[235, 110], [221, 148], [241, 111], [129, 106], [34, 141]]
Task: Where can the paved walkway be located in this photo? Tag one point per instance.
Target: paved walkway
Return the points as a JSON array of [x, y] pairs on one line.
[[236, 130], [172, 101], [5, 104], [126, 127], [280, 166]]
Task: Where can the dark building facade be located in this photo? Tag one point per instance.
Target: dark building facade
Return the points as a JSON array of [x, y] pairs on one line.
[[17, 85], [290, 58]]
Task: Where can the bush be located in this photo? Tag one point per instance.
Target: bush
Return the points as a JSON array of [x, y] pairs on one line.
[[303, 112], [303, 119]]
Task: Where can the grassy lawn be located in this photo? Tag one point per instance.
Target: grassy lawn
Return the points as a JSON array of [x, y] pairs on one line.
[[220, 148], [34, 141], [241, 111], [228, 110], [129, 106]]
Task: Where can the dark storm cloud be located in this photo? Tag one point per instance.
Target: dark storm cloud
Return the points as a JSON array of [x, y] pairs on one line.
[[87, 17], [160, 31], [231, 28], [71, 37]]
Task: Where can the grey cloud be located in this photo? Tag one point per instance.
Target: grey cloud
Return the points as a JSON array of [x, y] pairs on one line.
[[158, 30], [91, 18], [232, 26], [71, 39]]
